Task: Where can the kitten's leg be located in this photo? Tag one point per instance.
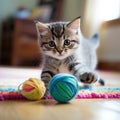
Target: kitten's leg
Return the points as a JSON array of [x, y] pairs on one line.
[[101, 82], [46, 76], [84, 75], [90, 77]]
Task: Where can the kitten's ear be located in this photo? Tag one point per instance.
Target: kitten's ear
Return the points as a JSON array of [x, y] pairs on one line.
[[75, 24], [41, 28]]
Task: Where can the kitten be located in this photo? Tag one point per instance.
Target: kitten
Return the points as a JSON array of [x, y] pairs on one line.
[[65, 50]]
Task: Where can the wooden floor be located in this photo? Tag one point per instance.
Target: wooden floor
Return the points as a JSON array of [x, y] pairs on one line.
[[84, 109], [77, 109]]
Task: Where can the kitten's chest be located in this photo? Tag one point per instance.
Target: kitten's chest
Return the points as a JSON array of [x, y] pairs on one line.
[[57, 66], [64, 69]]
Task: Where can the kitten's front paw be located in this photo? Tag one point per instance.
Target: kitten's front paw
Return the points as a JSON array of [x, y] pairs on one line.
[[88, 77]]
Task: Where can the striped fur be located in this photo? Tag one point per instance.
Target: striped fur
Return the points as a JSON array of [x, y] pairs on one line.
[[67, 51]]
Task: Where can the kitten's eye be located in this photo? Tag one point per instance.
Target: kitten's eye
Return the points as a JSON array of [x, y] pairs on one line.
[[51, 43], [67, 42]]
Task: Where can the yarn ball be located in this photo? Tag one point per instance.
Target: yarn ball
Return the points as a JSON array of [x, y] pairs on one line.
[[63, 87], [32, 89]]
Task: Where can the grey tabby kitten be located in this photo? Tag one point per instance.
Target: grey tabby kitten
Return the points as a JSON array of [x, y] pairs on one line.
[[65, 50]]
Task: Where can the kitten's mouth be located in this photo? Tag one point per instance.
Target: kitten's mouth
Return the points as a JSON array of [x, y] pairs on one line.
[[60, 54]]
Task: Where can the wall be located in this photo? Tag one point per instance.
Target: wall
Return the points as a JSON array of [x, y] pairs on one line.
[[8, 7], [109, 49], [73, 9]]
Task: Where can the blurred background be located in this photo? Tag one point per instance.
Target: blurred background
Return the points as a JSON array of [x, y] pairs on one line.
[[18, 36]]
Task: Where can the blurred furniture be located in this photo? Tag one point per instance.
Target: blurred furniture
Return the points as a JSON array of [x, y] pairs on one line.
[[19, 42], [25, 46], [51, 8], [109, 50], [7, 30]]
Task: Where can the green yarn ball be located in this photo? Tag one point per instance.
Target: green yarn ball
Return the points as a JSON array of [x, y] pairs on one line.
[[63, 87]]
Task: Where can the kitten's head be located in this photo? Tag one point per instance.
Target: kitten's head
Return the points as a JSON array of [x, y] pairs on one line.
[[59, 39]]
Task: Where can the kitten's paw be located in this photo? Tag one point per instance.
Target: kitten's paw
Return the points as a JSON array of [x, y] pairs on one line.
[[101, 82], [88, 77]]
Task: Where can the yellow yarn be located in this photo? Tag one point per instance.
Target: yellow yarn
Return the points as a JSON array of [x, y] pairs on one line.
[[33, 89]]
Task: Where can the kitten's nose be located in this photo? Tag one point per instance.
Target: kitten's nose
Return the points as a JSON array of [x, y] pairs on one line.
[[60, 51]]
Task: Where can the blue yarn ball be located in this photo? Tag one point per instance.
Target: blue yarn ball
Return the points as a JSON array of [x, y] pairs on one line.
[[63, 87]]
